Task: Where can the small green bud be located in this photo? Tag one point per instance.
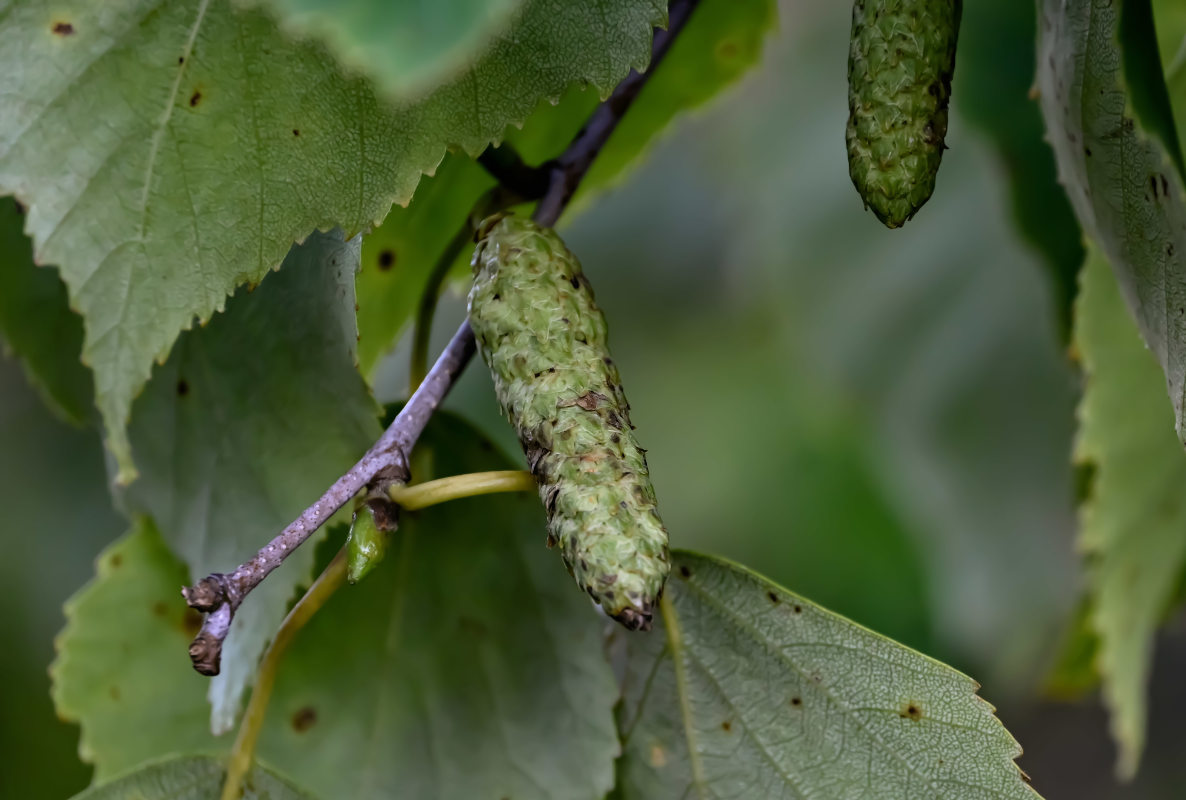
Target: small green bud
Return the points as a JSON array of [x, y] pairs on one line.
[[370, 533], [900, 62], [545, 341]]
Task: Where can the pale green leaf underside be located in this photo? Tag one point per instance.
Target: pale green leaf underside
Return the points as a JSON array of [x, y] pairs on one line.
[[402, 45], [249, 420], [746, 690], [1134, 521], [721, 41], [189, 778], [36, 322], [466, 665], [1123, 182], [169, 151]]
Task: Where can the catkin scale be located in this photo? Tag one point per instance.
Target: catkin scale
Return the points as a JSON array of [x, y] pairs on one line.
[[900, 64], [545, 341]]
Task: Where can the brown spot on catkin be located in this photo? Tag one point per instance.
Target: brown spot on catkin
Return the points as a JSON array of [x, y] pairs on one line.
[[62, 29], [304, 719]]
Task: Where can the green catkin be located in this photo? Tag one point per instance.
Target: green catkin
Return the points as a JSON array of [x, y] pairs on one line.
[[545, 341], [900, 62]]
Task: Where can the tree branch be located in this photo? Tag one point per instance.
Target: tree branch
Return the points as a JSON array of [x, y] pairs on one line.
[[221, 594]]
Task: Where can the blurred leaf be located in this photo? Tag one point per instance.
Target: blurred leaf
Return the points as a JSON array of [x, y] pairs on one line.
[[398, 257], [720, 42], [465, 666], [1123, 183], [57, 517], [402, 46], [746, 690], [213, 143], [190, 778], [122, 669], [1075, 674], [1134, 523], [250, 419], [996, 71], [37, 323]]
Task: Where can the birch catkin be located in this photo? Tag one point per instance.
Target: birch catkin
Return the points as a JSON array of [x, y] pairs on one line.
[[544, 339], [900, 63]]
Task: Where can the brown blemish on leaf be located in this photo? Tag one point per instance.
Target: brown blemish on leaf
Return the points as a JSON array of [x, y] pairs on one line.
[[658, 756], [798, 609], [726, 726], [727, 50], [796, 701], [773, 597], [296, 132], [304, 719], [191, 622], [386, 260], [160, 609], [182, 388], [195, 98], [912, 710], [114, 692], [63, 29], [116, 561], [685, 572]]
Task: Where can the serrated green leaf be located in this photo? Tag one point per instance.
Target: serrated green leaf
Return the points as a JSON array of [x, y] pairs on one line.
[[746, 690], [190, 778], [250, 419], [122, 670], [37, 323], [992, 84], [720, 42], [1118, 158], [210, 142], [402, 46], [1133, 529], [466, 665]]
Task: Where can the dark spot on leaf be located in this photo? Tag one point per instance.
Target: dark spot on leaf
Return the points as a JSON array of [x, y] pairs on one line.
[[182, 388], [575, 281], [191, 623], [195, 98], [796, 701], [63, 28], [117, 560], [386, 260], [798, 609], [160, 609], [911, 710], [685, 572], [296, 132], [114, 692], [180, 59], [304, 719], [726, 726], [1087, 151], [727, 50], [773, 597]]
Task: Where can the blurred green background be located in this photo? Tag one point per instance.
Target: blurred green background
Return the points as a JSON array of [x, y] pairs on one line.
[[879, 420]]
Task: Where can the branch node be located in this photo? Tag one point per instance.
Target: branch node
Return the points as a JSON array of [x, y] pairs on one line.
[[208, 593]]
